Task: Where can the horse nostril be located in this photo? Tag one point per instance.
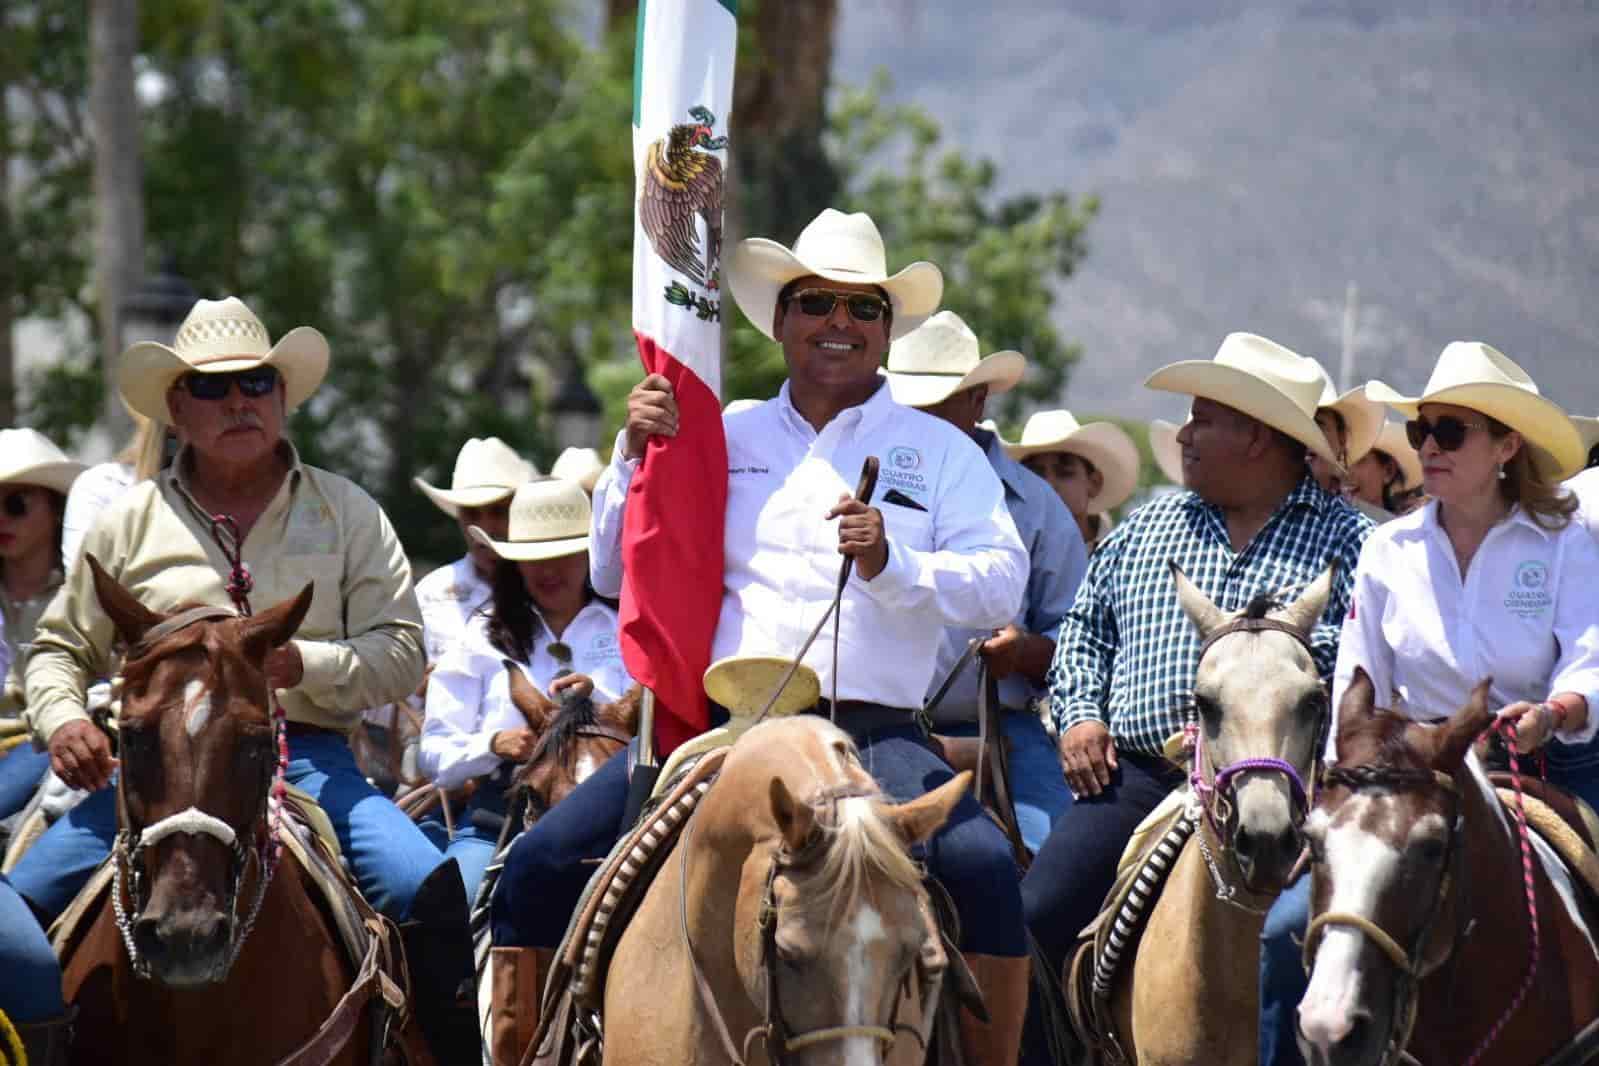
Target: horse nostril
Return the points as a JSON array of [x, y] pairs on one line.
[[1289, 843], [148, 939], [1245, 845]]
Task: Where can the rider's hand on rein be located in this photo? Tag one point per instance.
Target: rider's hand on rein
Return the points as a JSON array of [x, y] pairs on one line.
[[582, 682], [513, 744], [1535, 723], [861, 535], [284, 667], [80, 755]]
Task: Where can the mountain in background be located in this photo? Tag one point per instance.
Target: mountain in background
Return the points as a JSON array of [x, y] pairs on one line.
[[1253, 159]]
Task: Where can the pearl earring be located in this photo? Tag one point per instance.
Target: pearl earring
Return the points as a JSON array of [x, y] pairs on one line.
[[1501, 468]]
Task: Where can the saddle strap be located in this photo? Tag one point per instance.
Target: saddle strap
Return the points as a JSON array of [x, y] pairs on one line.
[[996, 753], [329, 1040]]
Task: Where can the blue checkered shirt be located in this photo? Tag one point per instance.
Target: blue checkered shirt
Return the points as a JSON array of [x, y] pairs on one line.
[[1127, 653]]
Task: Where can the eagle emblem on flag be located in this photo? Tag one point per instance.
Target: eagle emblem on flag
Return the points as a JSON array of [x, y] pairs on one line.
[[682, 184]]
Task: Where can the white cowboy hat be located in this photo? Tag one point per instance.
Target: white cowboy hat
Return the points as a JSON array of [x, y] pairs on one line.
[[582, 465], [1392, 442], [1105, 444], [1168, 453], [1475, 375], [486, 471], [220, 337], [1362, 417], [549, 519], [837, 247], [1261, 379], [28, 457], [1589, 428], [941, 358]]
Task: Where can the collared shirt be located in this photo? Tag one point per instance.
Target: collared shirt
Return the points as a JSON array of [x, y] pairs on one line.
[[92, 492], [469, 694], [1585, 486], [1058, 560], [1127, 652], [21, 619], [953, 554], [448, 597], [360, 642], [1523, 615]]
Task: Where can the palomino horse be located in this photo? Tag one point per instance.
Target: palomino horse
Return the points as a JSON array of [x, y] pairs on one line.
[[1191, 995], [203, 953], [788, 922], [1421, 938]]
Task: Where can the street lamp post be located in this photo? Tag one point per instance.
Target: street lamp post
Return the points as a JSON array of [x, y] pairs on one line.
[[154, 310], [575, 411]]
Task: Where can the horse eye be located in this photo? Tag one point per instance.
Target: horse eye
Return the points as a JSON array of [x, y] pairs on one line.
[[1430, 849], [1207, 707]]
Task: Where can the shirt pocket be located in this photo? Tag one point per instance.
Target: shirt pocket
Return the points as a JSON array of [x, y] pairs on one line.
[[907, 526], [325, 619]]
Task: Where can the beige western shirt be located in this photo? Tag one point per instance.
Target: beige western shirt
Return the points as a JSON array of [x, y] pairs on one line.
[[361, 641]]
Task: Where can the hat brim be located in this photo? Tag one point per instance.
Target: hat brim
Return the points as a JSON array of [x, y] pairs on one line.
[[1104, 444], [1404, 456], [56, 476], [450, 501], [1363, 419], [1554, 441], [530, 551], [1000, 371], [1247, 393], [759, 268], [149, 369], [1167, 452]]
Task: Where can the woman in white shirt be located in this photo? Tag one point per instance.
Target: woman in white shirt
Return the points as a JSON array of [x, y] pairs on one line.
[[545, 619], [1491, 579]]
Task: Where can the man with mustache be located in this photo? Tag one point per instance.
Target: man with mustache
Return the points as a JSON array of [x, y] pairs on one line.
[[229, 391]]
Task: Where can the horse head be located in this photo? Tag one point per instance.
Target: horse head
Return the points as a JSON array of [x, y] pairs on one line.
[[1386, 836], [198, 757], [1260, 703], [576, 737]]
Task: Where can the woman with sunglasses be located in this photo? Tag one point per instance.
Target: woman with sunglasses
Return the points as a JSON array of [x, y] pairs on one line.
[[34, 480], [545, 618], [1490, 580]]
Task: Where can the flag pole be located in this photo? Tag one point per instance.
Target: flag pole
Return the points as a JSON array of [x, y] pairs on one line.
[[646, 767]]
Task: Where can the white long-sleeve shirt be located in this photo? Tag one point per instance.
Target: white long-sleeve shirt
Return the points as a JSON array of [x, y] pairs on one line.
[[1524, 615], [954, 557], [448, 596], [469, 694]]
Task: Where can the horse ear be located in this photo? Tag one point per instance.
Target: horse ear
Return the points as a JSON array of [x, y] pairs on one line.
[[796, 821], [277, 624], [132, 618], [921, 817], [535, 707], [1462, 730], [624, 712], [1359, 702], [1306, 611], [1206, 616]]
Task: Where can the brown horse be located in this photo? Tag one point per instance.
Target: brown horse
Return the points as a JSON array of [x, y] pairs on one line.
[[790, 911], [1191, 995], [576, 737], [1420, 936], [195, 957]]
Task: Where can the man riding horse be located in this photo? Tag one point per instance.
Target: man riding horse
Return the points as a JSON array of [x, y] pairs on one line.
[[937, 549], [238, 493], [1253, 521]]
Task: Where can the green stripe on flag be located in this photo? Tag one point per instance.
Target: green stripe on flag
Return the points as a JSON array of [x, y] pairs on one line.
[[638, 62], [731, 5]]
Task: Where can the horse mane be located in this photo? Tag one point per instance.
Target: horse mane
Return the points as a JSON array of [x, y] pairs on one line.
[[1263, 604], [575, 713], [855, 841]]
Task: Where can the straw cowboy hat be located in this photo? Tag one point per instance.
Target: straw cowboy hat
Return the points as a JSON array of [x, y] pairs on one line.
[[837, 247], [582, 465], [220, 337], [1168, 453], [1263, 380], [1392, 442], [27, 457], [1475, 375], [549, 519], [1589, 428], [941, 358], [1105, 444], [486, 471], [1362, 417]]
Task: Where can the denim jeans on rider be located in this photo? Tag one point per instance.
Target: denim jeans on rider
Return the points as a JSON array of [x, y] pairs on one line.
[[1282, 975], [20, 774], [545, 874], [30, 979], [1038, 784], [472, 846], [388, 854]]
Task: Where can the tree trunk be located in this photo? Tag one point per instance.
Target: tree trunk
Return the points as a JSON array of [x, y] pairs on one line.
[[118, 184], [8, 274]]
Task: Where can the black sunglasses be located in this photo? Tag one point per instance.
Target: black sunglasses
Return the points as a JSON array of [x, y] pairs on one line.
[[818, 303], [1449, 431], [16, 503], [254, 383]]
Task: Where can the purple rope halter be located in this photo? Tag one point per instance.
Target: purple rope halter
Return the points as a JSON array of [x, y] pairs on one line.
[[1222, 785]]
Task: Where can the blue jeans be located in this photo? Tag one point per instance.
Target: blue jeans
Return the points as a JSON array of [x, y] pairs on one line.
[[387, 852], [1283, 980], [545, 874], [473, 845], [30, 979], [20, 774], [1575, 768], [1038, 782]]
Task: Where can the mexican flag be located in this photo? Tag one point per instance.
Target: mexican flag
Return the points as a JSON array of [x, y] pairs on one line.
[[672, 536]]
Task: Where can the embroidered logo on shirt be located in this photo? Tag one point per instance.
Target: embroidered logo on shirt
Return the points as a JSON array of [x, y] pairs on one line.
[[903, 458], [1529, 592], [749, 470], [902, 472]]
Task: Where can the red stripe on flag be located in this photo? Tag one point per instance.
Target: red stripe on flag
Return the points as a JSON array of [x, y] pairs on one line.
[[672, 554]]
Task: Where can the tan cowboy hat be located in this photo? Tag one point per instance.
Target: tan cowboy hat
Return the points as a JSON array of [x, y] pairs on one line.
[[1392, 442], [1362, 417], [486, 471], [940, 359], [1475, 375], [220, 337], [1261, 379], [582, 465], [1105, 444], [28, 457], [1168, 453], [837, 247], [549, 519]]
